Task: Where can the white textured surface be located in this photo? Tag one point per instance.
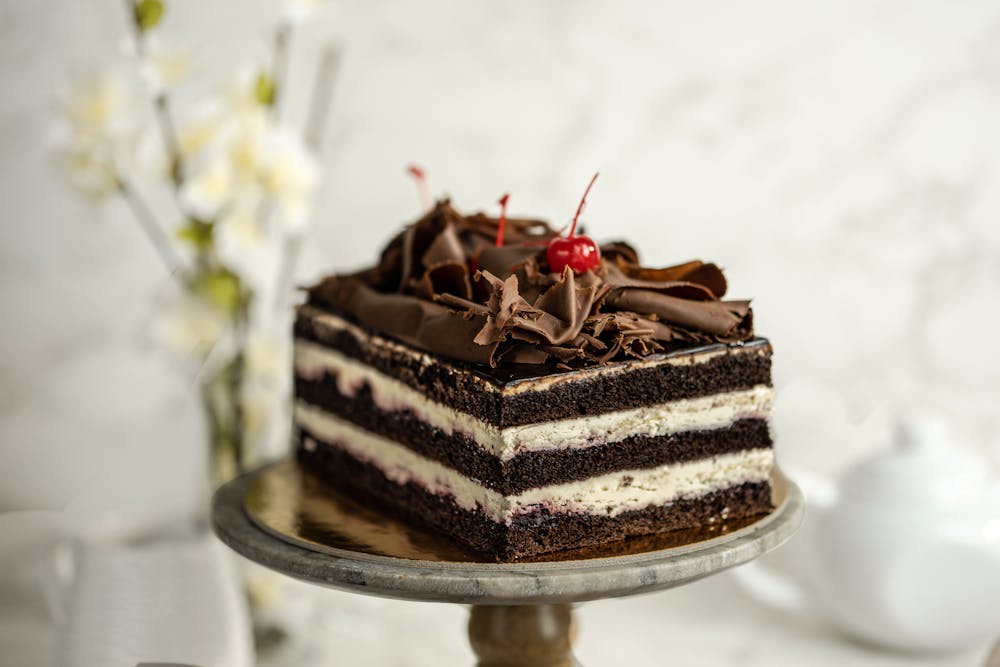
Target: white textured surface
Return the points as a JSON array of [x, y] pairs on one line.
[[840, 159]]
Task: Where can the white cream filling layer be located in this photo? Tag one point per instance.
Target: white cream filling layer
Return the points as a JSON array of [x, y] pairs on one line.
[[313, 361], [609, 494]]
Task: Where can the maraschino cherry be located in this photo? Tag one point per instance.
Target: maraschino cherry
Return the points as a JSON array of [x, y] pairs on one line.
[[579, 253], [420, 176], [503, 218]]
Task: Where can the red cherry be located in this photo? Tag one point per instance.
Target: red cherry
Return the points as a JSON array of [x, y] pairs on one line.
[[503, 218], [579, 253]]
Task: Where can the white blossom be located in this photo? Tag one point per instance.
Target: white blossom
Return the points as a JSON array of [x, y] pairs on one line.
[[209, 188], [95, 133], [90, 168], [242, 95], [162, 66], [100, 107], [298, 11], [245, 135], [201, 129], [191, 328], [289, 176], [234, 150], [247, 246]]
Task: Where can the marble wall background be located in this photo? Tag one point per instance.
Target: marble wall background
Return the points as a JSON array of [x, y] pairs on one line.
[[840, 159]]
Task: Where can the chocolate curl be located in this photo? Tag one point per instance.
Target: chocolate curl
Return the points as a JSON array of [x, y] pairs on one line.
[[568, 307], [616, 278], [505, 302], [446, 247], [516, 232], [617, 333], [471, 307], [447, 277], [423, 324], [421, 292], [418, 239], [504, 260], [708, 276], [725, 319], [616, 250]]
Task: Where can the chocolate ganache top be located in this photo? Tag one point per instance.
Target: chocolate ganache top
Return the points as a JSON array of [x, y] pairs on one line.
[[443, 286]]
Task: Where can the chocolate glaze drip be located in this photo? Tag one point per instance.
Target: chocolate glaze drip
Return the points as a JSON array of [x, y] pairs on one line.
[[442, 285]]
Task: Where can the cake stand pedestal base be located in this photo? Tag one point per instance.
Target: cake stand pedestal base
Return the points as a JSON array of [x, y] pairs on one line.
[[285, 519], [522, 635]]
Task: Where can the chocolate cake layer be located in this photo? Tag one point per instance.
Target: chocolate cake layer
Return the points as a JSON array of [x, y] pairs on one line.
[[529, 534], [617, 386], [533, 468]]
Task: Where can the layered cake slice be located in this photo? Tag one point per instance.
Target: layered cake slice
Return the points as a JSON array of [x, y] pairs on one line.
[[520, 407]]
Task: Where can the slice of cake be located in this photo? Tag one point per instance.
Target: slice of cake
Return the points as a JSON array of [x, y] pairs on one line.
[[468, 387]]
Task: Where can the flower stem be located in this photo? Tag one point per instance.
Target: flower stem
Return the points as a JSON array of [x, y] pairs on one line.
[[161, 104], [322, 94], [319, 111], [236, 378], [154, 231], [279, 66], [291, 248], [163, 117]]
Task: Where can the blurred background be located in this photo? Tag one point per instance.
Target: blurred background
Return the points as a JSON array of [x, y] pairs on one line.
[[841, 161]]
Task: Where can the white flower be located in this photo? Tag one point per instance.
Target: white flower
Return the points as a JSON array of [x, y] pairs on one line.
[[162, 66], [199, 135], [99, 108], [246, 246], [95, 135], [245, 135], [192, 328], [289, 176], [201, 130], [297, 11], [89, 167], [242, 97], [236, 155], [209, 188]]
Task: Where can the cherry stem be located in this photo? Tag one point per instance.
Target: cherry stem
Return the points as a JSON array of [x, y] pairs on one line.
[[583, 200], [503, 218], [421, 177]]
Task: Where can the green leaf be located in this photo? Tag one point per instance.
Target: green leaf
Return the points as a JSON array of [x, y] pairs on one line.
[[198, 233], [222, 287], [148, 14], [265, 89]]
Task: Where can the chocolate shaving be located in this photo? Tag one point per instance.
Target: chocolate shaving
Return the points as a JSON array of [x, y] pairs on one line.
[[446, 247], [443, 286]]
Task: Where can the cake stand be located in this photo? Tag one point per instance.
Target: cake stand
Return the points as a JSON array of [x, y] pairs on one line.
[[282, 518]]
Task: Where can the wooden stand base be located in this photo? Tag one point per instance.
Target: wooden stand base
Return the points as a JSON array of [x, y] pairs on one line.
[[523, 635]]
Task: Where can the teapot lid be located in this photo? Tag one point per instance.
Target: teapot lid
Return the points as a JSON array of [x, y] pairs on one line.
[[924, 465]]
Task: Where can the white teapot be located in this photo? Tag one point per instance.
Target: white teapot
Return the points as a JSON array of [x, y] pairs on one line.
[[904, 552]]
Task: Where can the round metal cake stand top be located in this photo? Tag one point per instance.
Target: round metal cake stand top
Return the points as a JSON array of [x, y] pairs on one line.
[[280, 517]]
